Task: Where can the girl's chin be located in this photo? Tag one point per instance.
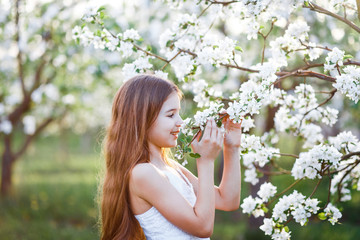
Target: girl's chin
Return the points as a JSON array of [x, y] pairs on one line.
[[171, 145]]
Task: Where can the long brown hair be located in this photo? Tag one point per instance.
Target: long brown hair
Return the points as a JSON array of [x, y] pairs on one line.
[[135, 108]]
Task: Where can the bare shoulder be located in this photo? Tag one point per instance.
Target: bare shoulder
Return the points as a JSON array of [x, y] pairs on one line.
[[144, 171], [145, 176]]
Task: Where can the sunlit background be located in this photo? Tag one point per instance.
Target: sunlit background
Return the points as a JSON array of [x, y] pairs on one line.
[[56, 144]]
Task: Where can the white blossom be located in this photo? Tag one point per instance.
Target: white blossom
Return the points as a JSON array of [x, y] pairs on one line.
[[309, 163], [349, 83], [68, 99], [29, 124], [345, 140], [138, 66], [333, 59], [5, 126], [248, 205], [130, 34], [314, 52], [267, 190], [126, 48], [332, 213], [281, 235], [268, 226], [161, 74], [251, 176]]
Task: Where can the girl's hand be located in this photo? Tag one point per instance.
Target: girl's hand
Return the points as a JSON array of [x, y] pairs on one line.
[[211, 142], [232, 134]]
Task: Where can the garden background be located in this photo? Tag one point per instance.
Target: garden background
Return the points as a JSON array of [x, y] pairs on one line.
[[56, 95]]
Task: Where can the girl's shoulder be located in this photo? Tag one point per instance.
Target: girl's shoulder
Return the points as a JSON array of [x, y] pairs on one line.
[[145, 179], [144, 171]]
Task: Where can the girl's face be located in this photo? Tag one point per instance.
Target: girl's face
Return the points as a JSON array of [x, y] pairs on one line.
[[164, 131]]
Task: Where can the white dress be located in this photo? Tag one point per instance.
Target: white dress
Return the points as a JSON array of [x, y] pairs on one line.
[[155, 225]]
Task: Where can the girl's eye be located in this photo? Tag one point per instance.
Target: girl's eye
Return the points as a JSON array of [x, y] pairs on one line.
[[171, 115]]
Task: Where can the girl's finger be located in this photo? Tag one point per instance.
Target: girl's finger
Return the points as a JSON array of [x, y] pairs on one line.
[[220, 137], [208, 129], [198, 136]]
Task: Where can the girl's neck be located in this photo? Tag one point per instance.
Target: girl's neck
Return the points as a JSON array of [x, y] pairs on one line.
[[156, 157]]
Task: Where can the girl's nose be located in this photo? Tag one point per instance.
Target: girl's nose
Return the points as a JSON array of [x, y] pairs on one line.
[[179, 122]]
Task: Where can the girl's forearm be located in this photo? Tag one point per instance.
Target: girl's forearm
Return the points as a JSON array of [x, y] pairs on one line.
[[205, 204], [230, 185]]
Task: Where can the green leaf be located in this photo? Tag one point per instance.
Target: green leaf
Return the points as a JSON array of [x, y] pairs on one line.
[[348, 56], [101, 9], [169, 43], [286, 228], [187, 149], [278, 225], [148, 48], [305, 224], [306, 3], [238, 48], [195, 155], [102, 15], [265, 209], [322, 216]]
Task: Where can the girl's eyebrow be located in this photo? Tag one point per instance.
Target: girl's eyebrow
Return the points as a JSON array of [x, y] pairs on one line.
[[170, 110]]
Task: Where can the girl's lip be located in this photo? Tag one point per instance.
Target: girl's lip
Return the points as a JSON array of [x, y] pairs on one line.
[[175, 133]]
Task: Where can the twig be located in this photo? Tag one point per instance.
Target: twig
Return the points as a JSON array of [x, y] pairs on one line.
[[203, 11], [349, 155], [287, 155], [342, 179], [30, 138], [240, 68], [150, 53], [316, 187], [167, 63], [284, 191], [329, 189], [223, 3], [19, 55], [306, 73], [265, 37], [317, 8], [321, 104], [270, 173]]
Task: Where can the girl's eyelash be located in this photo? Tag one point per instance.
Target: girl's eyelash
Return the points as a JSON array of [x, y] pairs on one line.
[[171, 115]]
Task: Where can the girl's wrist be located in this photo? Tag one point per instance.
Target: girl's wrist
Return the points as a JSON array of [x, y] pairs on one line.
[[205, 161], [231, 148]]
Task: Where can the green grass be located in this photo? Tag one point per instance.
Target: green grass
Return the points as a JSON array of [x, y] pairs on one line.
[[55, 187], [53, 194]]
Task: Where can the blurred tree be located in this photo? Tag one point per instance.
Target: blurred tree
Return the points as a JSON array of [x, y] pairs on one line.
[[47, 82]]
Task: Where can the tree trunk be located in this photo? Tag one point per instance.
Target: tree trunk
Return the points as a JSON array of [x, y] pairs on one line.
[[6, 170]]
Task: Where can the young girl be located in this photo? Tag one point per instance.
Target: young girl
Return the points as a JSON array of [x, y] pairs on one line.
[[147, 195]]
